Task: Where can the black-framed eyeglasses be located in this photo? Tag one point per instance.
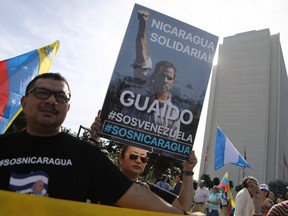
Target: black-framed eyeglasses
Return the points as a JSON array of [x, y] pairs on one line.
[[44, 93], [134, 156]]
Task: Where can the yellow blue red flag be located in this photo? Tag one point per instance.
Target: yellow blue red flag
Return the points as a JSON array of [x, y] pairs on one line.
[[225, 183], [15, 74]]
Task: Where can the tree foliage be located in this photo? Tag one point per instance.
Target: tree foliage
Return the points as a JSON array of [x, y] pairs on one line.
[[208, 181], [278, 187]]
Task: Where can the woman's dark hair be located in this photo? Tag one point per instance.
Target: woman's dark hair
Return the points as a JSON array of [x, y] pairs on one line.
[[165, 65], [123, 150]]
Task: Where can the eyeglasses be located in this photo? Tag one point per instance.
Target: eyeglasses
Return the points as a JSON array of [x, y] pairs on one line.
[[134, 156], [43, 93]]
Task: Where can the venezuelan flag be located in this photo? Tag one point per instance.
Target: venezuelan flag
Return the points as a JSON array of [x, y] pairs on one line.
[[15, 74], [225, 182]]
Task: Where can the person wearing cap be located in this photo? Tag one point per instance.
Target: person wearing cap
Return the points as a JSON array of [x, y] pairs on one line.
[[248, 200], [202, 194], [162, 183], [267, 203], [213, 203]]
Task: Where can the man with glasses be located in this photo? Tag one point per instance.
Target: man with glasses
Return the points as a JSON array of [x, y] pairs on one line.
[[69, 167]]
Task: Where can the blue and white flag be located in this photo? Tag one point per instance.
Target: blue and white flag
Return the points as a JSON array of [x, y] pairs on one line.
[[226, 153], [33, 183]]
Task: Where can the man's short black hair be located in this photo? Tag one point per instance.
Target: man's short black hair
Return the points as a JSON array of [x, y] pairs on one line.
[[165, 65], [53, 76]]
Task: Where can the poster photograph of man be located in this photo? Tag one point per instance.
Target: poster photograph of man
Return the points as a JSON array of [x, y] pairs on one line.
[[157, 89]]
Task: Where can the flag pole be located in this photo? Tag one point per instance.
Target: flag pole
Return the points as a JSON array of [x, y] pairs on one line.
[[283, 172], [239, 171], [206, 159], [244, 172]]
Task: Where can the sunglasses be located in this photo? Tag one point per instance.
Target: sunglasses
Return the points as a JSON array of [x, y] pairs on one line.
[[134, 156], [43, 93]]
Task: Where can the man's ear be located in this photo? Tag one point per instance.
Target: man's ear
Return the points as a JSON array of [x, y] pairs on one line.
[[23, 101], [68, 107]]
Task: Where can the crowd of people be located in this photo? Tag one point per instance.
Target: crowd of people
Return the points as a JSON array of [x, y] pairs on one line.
[[253, 199], [44, 153], [45, 161]]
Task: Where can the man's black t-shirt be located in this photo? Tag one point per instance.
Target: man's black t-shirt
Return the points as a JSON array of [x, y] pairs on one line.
[[60, 166]]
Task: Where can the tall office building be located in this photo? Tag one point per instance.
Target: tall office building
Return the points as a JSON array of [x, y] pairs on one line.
[[249, 102]]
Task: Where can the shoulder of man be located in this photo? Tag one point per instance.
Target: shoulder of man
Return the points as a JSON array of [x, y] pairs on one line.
[[13, 135], [75, 139], [77, 143]]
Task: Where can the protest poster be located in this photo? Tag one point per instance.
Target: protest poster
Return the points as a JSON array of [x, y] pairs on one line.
[[157, 89]]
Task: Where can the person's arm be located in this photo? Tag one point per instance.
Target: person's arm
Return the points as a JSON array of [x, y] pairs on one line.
[[217, 202], [141, 40], [95, 126], [185, 198], [139, 197]]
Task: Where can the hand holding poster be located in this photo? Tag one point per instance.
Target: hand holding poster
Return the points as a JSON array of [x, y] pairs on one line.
[[158, 85]]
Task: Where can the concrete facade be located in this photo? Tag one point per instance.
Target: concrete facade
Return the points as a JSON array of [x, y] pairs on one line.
[[249, 102]]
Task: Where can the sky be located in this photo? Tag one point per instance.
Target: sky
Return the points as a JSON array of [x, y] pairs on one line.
[[91, 34]]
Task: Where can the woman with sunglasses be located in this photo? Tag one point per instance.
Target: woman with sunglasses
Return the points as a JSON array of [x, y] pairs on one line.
[[133, 161]]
